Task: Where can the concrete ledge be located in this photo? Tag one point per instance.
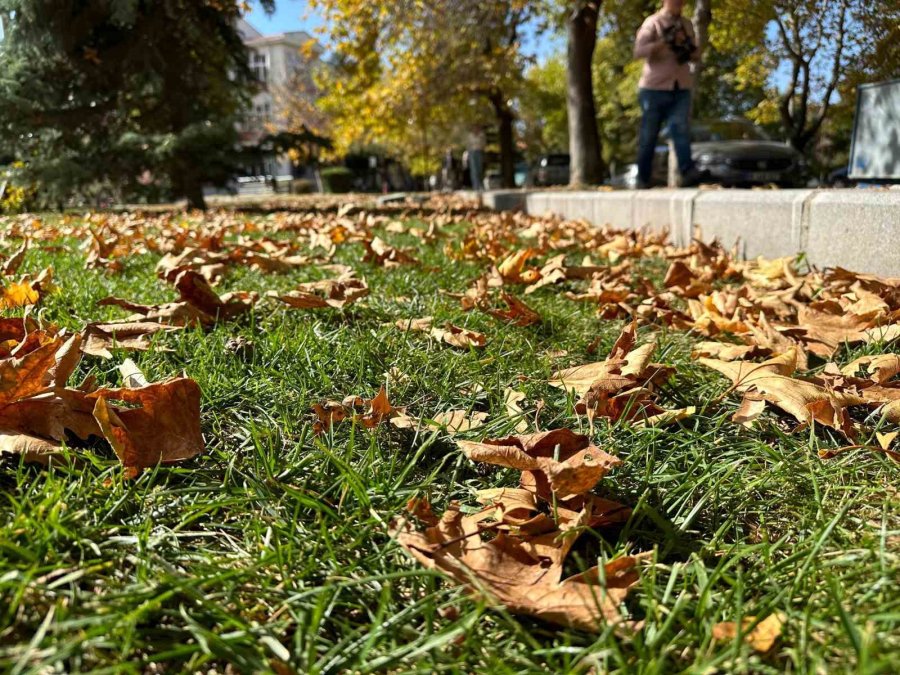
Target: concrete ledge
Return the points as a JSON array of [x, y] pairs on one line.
[[856, 229], [766, 223], [504, 200]]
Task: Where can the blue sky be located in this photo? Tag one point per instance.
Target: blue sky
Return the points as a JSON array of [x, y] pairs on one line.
[[288, 15], [296, 15]]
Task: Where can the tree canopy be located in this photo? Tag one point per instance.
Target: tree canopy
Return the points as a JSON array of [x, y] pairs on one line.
[[122, 92], [413, 75]]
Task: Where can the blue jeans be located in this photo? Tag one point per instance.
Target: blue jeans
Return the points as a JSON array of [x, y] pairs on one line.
[[657, 108], [476, 167]]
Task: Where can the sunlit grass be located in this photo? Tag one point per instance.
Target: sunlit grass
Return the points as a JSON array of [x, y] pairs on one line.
[[272, 547]]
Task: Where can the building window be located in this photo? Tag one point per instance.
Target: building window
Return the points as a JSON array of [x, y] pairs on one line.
[[259, 64]]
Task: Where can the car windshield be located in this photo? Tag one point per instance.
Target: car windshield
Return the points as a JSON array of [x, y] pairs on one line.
[[705, 132]]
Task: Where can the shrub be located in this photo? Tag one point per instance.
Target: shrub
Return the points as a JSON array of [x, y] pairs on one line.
[[302, 186], [337, 179]]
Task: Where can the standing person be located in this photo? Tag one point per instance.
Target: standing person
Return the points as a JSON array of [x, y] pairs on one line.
[[448, 173], [476, 143], [666, 40]]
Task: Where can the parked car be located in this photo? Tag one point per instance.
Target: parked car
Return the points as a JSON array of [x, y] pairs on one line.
[[737, 153], [552, 170]]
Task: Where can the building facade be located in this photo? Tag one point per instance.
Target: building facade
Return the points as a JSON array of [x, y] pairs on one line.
[[279, 62]]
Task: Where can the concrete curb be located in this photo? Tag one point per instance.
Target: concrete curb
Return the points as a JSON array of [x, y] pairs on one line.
[[856, 229]]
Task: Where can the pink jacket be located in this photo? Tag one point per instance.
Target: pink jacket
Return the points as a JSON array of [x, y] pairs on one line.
[[661, 69]]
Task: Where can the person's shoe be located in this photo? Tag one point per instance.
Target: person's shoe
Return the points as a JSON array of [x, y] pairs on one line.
[[693, 177]]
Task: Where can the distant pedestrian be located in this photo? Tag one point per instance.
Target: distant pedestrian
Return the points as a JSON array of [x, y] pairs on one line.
[[448, 171], [666, 40], [476, 144]]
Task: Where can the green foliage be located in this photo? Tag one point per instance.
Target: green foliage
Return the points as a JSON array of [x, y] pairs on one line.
[[302, 186], [100, 92], [412, 76], [16, 197], [337, 179], [616, 76], [542, 108]]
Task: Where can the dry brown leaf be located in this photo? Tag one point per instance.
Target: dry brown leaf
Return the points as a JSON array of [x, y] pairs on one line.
[[450, 334], [620, 387], [728, 352], [807, 401], [511, 401], [11, 265], [335, 293], [162, 424], [368, 412], [100, 338], [29, 374], [522, 573], [380, 253], [559, 461], [752, 406], [512, 268], [891, 412], [209, 264], [666, 417], [883, 334], [29, 448], [828, 325], [194, 289], [55, 416], [199, 305], [453, 422], [459, 337], [518, 313], [880, 368], [761, 637], [422, 325]]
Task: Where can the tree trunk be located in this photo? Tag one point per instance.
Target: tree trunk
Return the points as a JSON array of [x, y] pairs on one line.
[[584, 139], [505, 120], [193, 190], [701, 21]]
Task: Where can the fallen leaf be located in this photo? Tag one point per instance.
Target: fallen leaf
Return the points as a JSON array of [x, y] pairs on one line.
[[380, 253], [522, 573], [761, 637], [807, 401], [368, 412], [518, 313], [453, 422], [559, 461], [336, 293], [622, 386], [880, 368], [511, 401], [18, 294], [100, 338], [29, 448], [162, 424], [667, 417]]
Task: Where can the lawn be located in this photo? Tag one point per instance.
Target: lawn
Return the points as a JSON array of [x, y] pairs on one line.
[[270, 552]]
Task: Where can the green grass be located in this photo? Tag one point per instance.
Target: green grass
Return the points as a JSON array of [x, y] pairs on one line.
[[272, 546]]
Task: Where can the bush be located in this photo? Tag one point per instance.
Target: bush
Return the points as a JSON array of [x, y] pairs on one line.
[[15, 198], [301, 186], [337, 179]]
